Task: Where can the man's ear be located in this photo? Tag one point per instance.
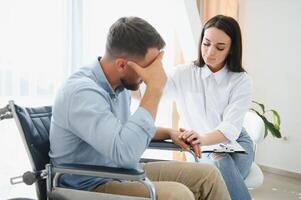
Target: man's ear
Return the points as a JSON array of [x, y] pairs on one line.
[[120, 64]]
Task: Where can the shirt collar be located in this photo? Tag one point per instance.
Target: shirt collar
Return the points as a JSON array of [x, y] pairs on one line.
[[102, 80], [206, 72], [218, 76]]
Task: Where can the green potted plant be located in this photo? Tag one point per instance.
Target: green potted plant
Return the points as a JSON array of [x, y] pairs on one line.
[[273, 126]]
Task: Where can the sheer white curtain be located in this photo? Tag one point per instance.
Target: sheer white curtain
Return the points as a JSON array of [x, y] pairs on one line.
[[43, 41], [33, 50], [33, 62]]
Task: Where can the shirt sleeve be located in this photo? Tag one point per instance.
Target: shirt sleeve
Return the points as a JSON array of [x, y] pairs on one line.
[[239, 102], [91, 119], [170, 89]]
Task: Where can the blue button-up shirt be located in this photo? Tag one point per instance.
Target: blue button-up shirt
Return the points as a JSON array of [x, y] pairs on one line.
[[91, 124]]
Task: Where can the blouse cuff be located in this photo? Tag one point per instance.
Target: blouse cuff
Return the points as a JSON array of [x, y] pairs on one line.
[[230, 131]]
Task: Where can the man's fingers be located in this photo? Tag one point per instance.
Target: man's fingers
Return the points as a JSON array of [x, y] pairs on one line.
[[135, 66], [181, 135], [182, 129], [183, 145], [160, 56], [197, 150], [157, 59]]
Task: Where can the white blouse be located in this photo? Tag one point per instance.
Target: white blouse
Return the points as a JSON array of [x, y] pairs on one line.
[[208, 101]]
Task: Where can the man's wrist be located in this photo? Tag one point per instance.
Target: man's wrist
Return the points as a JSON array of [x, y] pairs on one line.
[[155, 87], [202, 139], [154, 91], [171, 132]]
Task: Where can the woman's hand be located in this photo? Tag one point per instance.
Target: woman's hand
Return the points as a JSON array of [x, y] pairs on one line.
[[175, 136], [192, 138]]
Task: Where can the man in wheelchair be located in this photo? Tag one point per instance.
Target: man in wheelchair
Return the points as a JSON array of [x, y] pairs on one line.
[[91, 122]]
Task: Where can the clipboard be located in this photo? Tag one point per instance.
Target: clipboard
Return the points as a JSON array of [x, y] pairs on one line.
[[167, 154], [231, 147]]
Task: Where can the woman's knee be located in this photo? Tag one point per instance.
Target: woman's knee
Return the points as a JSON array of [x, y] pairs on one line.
[[221, 160]]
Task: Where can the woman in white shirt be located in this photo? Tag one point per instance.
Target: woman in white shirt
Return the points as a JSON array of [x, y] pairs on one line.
[[212, 96]]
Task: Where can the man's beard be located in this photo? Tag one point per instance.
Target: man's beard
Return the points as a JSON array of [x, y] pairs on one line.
[[129, 86]]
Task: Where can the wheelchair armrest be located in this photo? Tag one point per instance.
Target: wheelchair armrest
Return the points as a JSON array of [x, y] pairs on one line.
[[167, 145], [100, 171], [111, 173], [164, 145]]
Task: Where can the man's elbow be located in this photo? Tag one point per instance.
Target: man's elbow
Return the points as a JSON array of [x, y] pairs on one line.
[[128, 163], [127, 160]]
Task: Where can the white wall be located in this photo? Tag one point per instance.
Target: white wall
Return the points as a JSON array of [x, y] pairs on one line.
[[272, 55]]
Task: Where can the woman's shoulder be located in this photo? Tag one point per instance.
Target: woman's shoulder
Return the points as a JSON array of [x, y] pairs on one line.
[[241, 76], [241, 79], [183, 71], [186, 68]]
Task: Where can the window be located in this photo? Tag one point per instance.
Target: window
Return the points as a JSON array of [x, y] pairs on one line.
[[33, 61], [33, 48]]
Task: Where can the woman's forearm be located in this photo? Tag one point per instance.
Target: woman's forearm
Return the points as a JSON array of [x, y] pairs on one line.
[[213, 137]]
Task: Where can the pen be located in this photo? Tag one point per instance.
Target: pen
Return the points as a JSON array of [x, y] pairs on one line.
[[223, 145]]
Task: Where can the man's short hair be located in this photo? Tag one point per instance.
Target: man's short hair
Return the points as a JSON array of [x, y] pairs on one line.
[[132, 37]]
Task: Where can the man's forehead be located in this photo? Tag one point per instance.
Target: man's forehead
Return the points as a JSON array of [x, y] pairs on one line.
[[150, 56]]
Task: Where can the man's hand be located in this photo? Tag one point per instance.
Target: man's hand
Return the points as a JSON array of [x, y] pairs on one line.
[[174, 136], [192, 138], [153, 75]]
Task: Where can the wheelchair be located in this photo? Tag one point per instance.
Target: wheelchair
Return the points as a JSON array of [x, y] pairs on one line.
[[34, 125]]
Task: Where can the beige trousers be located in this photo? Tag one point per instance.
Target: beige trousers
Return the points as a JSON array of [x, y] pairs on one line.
[[174, 180]]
